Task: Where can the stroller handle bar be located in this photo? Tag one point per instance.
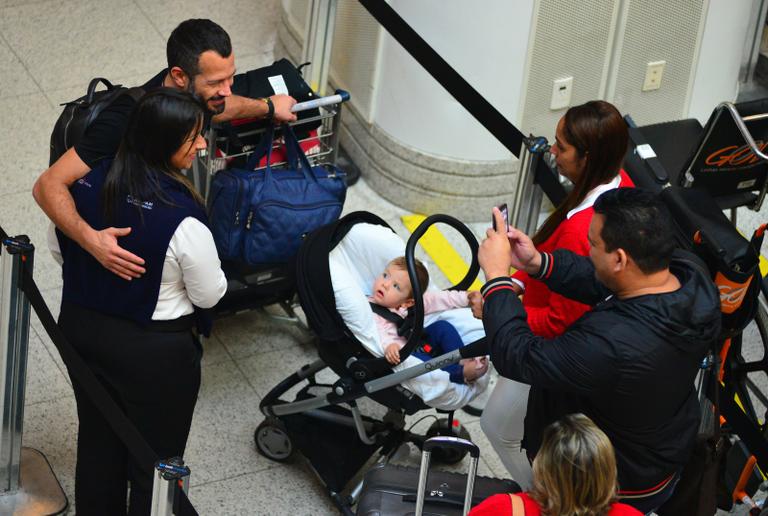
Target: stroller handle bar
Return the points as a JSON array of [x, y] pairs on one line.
[[338, 98], [418, 293], [477, 348]]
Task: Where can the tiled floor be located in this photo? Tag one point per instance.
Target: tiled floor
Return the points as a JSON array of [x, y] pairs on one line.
[[49, 50]]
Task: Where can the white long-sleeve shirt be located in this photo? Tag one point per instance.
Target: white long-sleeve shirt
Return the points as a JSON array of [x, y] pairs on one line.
[[191, 274]]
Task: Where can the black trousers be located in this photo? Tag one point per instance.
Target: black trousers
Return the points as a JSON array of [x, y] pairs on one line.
[[154, 375]]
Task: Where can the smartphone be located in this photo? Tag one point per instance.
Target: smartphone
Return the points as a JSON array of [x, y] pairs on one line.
[[504, 213]]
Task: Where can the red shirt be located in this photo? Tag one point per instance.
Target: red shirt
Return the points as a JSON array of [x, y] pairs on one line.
[[549, 314], [501, 505]]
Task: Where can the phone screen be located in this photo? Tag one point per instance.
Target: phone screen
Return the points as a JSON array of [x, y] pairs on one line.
[[504, 213]]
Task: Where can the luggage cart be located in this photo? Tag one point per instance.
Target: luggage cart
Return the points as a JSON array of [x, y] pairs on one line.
[[256, 287]]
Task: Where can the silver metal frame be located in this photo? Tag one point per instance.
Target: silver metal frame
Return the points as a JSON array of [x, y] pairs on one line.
[[752, 45], [369, 387], [14, 342], [526, 206], [318, 42], [728, 107], [207, 164], [27, 482], [165, 486], [450, 442]]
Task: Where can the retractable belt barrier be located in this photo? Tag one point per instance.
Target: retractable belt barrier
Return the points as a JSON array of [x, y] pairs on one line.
[[126, 431], [483, 111]]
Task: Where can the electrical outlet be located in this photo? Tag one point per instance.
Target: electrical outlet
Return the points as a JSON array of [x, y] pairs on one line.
[[561, 93], [653, 72]]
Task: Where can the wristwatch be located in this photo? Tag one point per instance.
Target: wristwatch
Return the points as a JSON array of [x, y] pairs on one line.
[[270, 107]]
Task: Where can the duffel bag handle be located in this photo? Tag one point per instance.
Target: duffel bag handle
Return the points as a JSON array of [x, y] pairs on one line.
[[295, 155], [264, 148], [94, 84]]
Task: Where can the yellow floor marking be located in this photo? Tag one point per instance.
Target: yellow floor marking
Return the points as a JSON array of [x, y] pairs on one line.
[[441, 251]]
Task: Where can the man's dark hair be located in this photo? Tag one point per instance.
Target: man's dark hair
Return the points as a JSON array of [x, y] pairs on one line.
[[637, 221], [190, 39]]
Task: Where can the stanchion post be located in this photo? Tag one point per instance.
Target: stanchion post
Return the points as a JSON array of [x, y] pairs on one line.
[[528, 198], [170, 476], [27, 482], [17, 255]]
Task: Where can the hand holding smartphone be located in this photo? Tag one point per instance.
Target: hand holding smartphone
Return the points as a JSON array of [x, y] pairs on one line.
[[504, 213]]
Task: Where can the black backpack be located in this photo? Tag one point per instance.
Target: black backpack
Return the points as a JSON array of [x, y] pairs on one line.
[[79, 114]]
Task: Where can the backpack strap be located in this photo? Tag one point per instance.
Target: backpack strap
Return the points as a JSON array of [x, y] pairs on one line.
[[135, 93]]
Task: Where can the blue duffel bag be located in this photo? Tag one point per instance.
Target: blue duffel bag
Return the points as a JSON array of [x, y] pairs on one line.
[[262, 216]]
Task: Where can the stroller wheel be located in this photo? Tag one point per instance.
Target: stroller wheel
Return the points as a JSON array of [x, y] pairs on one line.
[[448, 455], [272, 440]]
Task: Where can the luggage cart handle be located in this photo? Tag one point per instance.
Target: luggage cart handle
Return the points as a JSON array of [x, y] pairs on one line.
[[338, 98]]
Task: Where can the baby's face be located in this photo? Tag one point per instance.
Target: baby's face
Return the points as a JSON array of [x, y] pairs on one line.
[[392, 289]]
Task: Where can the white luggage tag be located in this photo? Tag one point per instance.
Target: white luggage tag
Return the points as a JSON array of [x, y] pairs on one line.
[[278, 85]]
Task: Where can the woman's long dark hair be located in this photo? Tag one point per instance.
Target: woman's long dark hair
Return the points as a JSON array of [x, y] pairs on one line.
[[599, 134], [157, 127]]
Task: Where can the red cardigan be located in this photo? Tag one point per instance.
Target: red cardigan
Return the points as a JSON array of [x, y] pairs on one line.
[[549, 314], [501, 505]]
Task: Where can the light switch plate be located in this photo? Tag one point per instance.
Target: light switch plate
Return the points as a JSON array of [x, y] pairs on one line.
[[561, 93], [653, 72]]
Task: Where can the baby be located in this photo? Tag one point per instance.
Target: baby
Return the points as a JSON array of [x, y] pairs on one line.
[[392, 290]]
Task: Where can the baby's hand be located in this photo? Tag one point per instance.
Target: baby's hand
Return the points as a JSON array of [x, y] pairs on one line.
[[474, 368], [392, 353]]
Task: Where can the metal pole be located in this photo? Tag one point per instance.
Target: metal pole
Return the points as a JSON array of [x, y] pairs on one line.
[[423, 473], [27, 482], [14, 339], [528, 197], [335, 134], [318, 43], [170, 476]]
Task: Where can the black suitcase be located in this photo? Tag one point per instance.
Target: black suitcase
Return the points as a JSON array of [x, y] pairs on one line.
[[390, 490]]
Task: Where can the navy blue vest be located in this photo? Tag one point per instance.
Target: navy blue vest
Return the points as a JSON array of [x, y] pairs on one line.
[[87, 283]]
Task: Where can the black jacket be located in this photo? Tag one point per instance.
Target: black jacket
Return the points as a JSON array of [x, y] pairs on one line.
[[629, 365]]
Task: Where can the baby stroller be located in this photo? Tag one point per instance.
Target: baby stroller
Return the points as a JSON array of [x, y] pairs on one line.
[[328, 428]]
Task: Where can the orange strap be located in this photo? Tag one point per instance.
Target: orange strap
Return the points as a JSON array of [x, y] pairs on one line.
[[518, 509], [723, 355]]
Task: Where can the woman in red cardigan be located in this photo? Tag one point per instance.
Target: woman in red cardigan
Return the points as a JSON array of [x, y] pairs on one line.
[[573, 473], [590, 143]]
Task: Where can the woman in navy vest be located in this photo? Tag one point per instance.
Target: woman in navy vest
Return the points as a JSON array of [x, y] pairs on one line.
[[137, 335]]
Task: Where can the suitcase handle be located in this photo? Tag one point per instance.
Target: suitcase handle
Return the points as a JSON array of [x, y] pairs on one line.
[[449, 442], [445, 441], [435, 499]]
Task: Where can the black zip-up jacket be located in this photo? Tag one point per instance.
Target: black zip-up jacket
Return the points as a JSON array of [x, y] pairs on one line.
[[629, 365]]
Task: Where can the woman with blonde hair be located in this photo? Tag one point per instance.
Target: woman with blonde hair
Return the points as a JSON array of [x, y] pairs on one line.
[[574, 473]]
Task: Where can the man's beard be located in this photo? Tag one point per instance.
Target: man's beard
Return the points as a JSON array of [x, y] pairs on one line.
[[216, 110]]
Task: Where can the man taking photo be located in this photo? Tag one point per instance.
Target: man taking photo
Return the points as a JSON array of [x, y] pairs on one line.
[[630, 363]]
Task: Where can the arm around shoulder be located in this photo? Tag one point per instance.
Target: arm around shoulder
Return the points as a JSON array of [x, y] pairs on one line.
[[51, 191]]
